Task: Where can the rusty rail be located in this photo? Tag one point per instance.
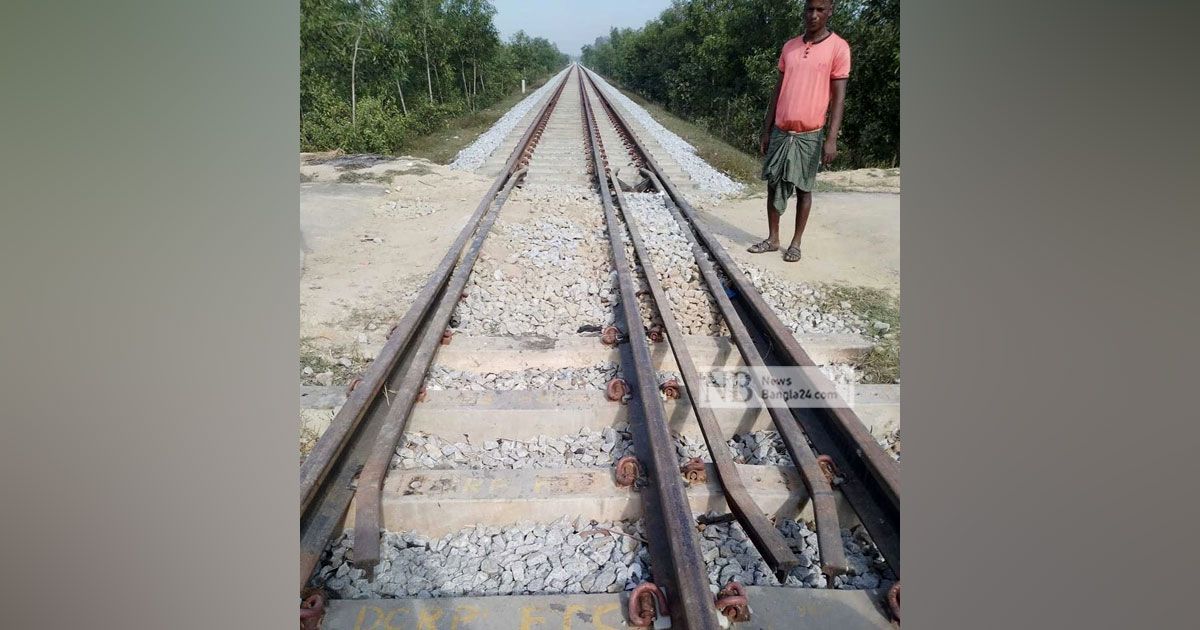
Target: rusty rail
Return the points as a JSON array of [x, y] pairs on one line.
[[829, 532], [368, 515], [762, 531], [673, 540], [327, 475], [870, 478]]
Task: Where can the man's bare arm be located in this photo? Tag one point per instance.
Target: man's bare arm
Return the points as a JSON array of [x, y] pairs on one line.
[[838, 93], [766, 134]]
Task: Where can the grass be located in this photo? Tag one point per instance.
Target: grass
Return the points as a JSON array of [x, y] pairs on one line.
[[308, 439], [741, 166], [882, 364], [736, 163], [363, 319], [326, 360], [442, 146], [386, 177]]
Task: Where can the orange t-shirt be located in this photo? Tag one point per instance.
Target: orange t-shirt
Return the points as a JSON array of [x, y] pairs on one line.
[[807, 70]]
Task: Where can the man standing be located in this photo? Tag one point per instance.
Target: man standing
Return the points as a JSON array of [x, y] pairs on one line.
[[813, 72]]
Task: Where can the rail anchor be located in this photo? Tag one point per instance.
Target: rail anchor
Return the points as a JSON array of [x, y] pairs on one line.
[[628, 470], [733, 602], [694, 471], [312, 608], [616, 389], [647, 604]]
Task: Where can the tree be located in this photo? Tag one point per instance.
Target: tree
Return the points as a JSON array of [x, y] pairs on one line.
[[360, 62], [714, 62]]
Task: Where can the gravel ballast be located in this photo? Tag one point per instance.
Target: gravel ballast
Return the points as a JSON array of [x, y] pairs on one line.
[[730, 555], [592, 377], [555, 278], [586, 449], [703, 175], [566, 556], [575, 556], [670, 253], [475, 154], [800, 305]]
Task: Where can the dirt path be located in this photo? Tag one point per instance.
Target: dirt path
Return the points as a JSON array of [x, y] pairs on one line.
[[372, 245], [852, 238]]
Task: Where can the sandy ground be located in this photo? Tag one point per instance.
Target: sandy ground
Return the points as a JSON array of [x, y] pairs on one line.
[[863, 179], [852, 238], [371, 246]]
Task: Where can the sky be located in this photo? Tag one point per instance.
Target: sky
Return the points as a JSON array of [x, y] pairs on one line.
[[572, 23]]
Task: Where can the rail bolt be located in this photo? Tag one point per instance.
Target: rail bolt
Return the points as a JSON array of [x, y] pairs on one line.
[[616, 389], [670, 388], [312, 608], [830, 470], [893, 600], [447, 335], [733, 602], [646, 603], [610, 335], [656, 334], [355, 383], [694, 471], [628, 470], [423, 394], [392, 330]]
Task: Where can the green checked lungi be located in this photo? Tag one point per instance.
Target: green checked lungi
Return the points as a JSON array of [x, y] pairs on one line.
[[791, 163]]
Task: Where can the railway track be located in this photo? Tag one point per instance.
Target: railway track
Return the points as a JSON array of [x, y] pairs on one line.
[[542, 456]]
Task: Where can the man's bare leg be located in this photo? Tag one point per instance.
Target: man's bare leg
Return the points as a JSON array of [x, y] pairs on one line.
[[803, 207], [771, 243]]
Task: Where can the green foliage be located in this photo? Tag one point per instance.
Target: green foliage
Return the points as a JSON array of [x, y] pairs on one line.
[[714, 62], [375, 74]]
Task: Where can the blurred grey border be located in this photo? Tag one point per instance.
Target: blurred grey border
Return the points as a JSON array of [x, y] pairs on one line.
[[149, 336], [1049, 274], [150, 314]]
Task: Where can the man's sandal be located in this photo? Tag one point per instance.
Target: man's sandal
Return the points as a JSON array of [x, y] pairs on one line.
[[792, 254], [762, 247]]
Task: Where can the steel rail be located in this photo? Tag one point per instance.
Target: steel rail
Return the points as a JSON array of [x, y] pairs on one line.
[[824, 502], [359, 401], [691, 601], [870, 477], [761, 531], [368, 501], [327, 475]]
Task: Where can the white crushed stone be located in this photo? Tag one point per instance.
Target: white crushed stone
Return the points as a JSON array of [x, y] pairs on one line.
[[889, 439], [587, 449], [671, 255], [758, 448], [580, 556], [730, 555], [591, 377], [558, 278], [800, 305], [475, 154], [702, 173]]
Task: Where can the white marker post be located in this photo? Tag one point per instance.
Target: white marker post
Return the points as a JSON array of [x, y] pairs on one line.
[[522, 86]]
